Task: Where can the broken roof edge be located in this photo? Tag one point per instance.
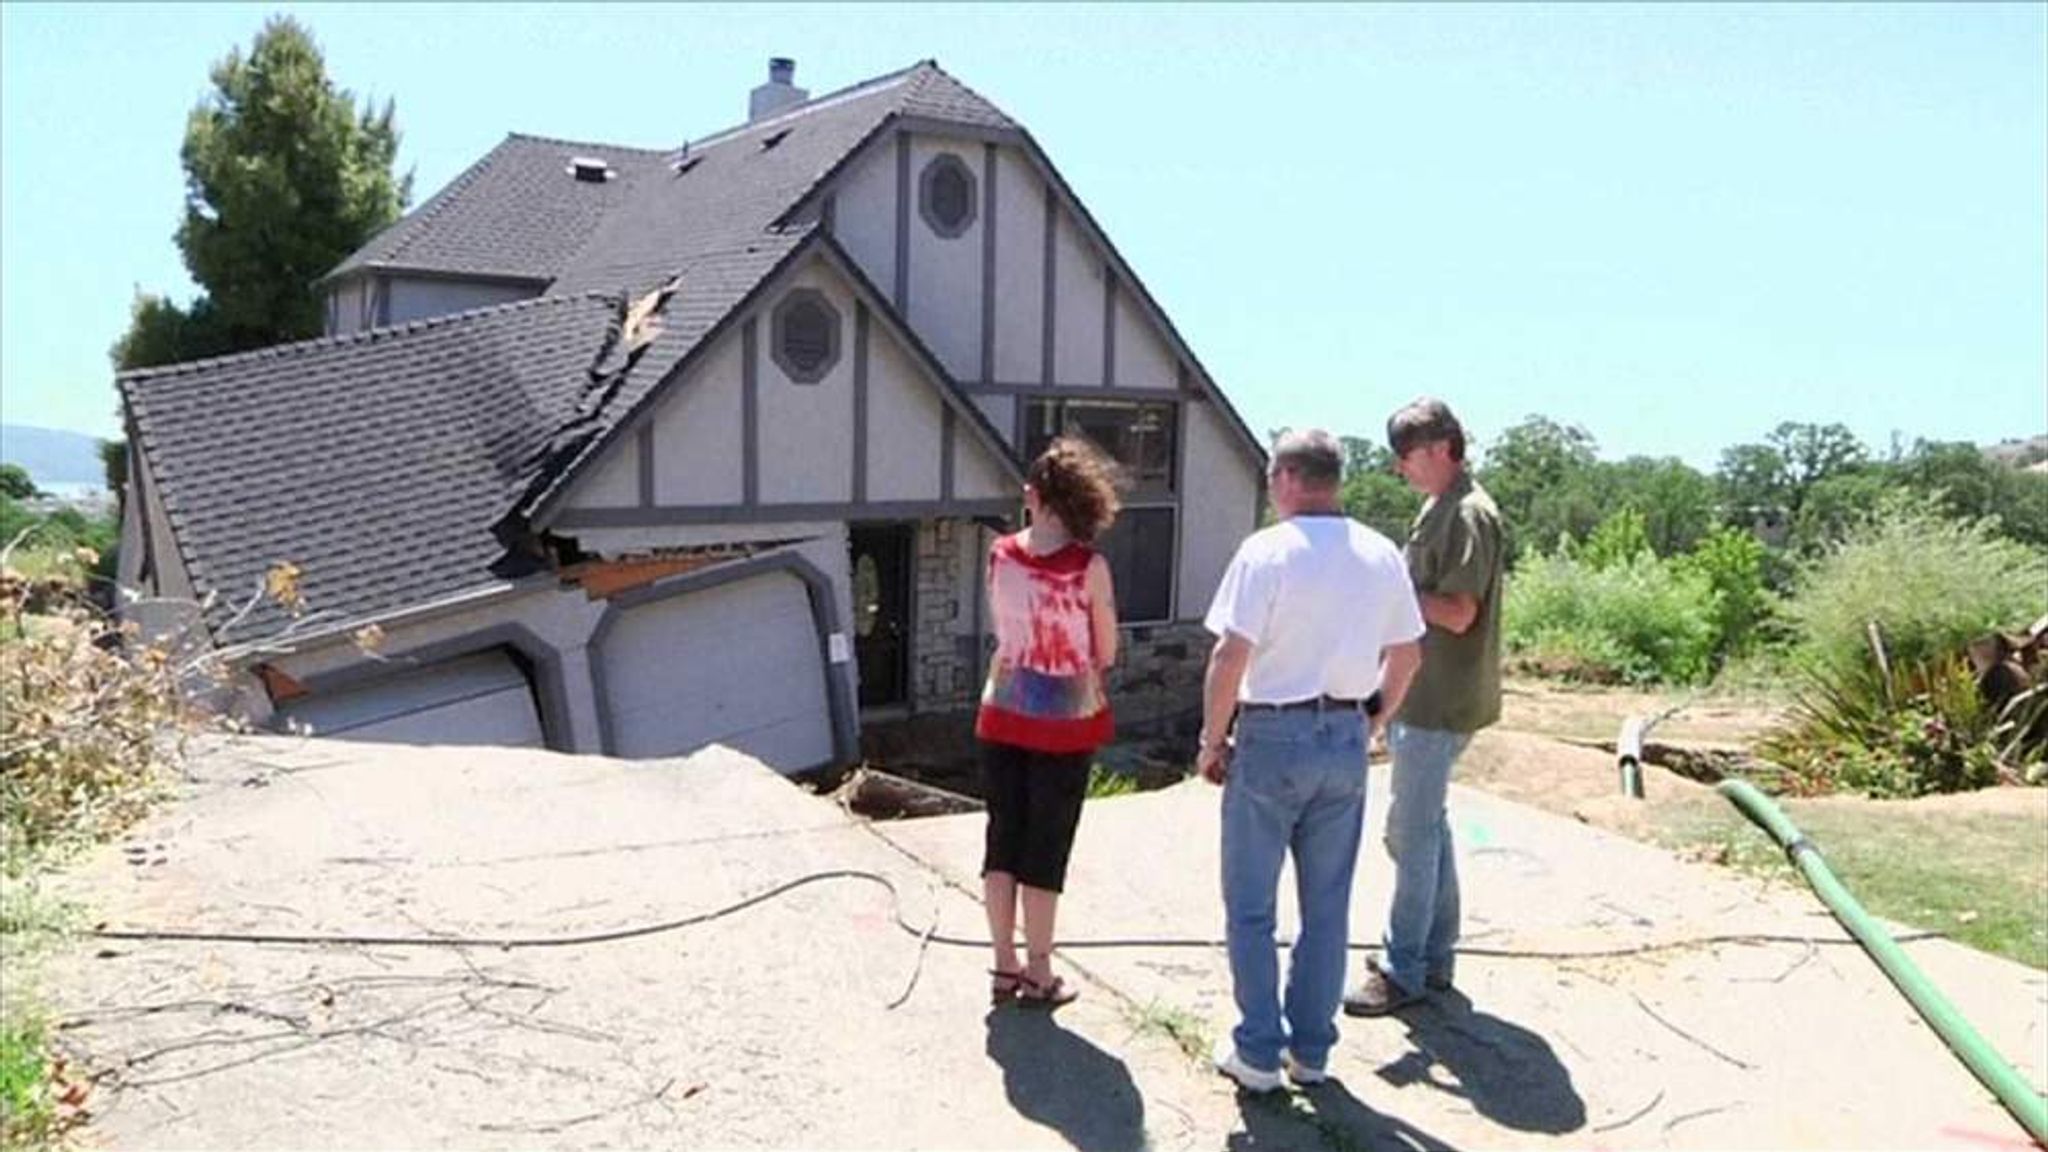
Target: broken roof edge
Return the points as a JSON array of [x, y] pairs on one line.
[[257, 649], [365, 336], [536, 506]]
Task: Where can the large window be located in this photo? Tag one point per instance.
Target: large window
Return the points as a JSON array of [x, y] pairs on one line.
[[1139, 548], [1139, 436]]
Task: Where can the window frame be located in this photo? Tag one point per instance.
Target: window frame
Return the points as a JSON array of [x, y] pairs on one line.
[[1162, 489], [927, 178], [778, 335]]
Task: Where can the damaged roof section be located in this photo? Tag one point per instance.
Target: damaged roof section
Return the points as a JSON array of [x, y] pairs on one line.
[[376, 462]]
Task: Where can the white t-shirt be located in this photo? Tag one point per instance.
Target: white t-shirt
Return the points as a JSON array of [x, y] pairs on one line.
[[1318, 597]]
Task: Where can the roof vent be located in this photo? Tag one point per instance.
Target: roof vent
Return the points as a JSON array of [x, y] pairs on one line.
[[590, 169], [778, 93]]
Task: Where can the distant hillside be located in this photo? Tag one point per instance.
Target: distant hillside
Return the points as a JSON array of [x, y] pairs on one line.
[[2019, 453], [55, 459]]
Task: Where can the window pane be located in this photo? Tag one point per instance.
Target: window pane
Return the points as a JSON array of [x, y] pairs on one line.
[[807, 336], [1139, 437], [949, 196], [1139, 548]]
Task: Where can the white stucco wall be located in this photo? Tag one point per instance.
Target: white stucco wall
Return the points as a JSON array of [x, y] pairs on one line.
[[864, 212], [945, 273], [1020, 269], [1077, 313], [351, 305], [903, 427], [1001, 411], [169, 604], [806, 440], [1218, 505], [612, 481], [698, 457], [1143, 359], [418, 299]]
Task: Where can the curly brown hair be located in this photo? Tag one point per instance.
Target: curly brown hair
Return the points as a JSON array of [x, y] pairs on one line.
[[1078, 484]]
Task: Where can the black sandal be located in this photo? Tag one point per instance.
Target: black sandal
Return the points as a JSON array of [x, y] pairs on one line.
[[1002, 986], [1054, 993]]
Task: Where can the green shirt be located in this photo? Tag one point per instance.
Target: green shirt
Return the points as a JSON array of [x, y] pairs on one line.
[[1454, 548]]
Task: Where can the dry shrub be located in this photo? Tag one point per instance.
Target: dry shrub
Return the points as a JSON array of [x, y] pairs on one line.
[[87, 726]]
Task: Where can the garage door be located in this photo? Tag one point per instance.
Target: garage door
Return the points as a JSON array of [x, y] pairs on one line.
[[479, 699], [736, 664]]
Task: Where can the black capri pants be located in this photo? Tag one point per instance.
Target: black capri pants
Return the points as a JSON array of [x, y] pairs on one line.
[[1034, 803]]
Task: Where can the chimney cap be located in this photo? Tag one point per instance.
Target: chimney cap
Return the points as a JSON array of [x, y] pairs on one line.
[[781, 69]]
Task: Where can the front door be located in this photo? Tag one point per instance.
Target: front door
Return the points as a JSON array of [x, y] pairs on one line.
[[881, 611]]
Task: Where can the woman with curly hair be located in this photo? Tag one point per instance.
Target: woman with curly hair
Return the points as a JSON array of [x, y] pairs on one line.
[[1043, 712]]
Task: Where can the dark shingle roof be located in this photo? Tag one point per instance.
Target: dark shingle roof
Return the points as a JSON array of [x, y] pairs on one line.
[[377, 463], [516, 212], [390, 466]]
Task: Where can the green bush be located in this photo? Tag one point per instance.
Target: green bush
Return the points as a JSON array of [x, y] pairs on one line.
[[1620, 539], [1928, 582], [1731, 561], [1637, 621]]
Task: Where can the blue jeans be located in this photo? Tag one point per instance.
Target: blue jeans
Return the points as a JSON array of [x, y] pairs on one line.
[[1296, 784], [1422, 923]]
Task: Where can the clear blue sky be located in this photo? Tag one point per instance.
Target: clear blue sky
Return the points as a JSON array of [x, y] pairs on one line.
[[1676, 226]]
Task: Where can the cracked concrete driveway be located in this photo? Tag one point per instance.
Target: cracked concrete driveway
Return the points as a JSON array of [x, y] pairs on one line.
[[1675, 1005]]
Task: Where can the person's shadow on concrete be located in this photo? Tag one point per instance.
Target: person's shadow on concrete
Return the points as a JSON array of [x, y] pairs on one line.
[[1508, 1073], [1055, 1078], [1323, 1115]]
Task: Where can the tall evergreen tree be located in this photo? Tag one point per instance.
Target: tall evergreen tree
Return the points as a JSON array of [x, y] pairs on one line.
[[284, 177]]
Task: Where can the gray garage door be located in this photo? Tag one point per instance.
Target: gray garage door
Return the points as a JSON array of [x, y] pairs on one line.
[[736, 664], [479, 699]]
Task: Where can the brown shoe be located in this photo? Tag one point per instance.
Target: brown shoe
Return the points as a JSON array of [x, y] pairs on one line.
[[1377, 995]]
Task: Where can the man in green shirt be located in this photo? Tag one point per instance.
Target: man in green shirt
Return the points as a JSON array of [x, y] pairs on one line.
[[1455, 555]]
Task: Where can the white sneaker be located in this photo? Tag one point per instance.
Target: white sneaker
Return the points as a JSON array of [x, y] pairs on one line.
[[1249, 1078], [1303, 1074]]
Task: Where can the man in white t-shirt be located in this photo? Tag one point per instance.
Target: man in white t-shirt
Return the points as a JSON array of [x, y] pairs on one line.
[[1314, 616]]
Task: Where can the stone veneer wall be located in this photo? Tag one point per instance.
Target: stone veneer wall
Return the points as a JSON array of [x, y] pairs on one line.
[[1155, 688], [944, 672]]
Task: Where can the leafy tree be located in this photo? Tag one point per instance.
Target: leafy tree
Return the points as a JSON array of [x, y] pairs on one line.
[[15, 483], [283, 178], [1833, 508], [1972, 486], [1675, 500], [1754, 486], [1814, 452], [114, 463], [1542, 475]]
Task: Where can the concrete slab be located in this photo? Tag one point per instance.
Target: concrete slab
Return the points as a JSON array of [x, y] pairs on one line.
[[1611, 994], [814, 1019]]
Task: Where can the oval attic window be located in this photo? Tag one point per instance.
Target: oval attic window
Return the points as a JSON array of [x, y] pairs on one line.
[[946, 195], [806, 336]]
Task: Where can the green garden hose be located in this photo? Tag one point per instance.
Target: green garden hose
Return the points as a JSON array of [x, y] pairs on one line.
[[2019, 1098]]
